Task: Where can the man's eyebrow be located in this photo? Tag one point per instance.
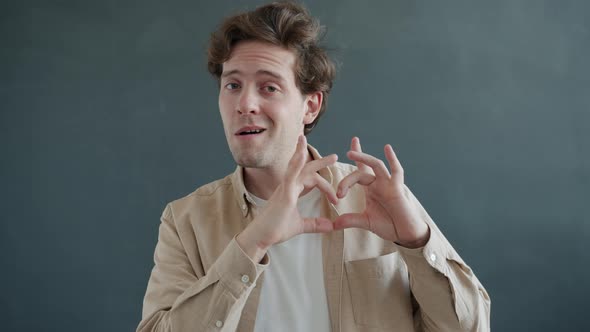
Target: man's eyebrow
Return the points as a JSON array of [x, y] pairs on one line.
[[270, 73], [229, 73], [259, 72]]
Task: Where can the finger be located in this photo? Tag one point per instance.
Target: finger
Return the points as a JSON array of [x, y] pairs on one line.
[[355, 145], [317, 225], [377, 165], [316, 165], [325, 187], [351, 220], [351, 179], [394, 163], [298, 159]]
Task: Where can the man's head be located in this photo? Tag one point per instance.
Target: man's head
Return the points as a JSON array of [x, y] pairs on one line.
[[272, 74]]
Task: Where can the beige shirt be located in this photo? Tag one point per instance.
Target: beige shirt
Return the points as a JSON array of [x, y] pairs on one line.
[[203, 281]]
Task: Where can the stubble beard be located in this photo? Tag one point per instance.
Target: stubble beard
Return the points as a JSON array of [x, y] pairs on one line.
[[250, 158], [267, 156]]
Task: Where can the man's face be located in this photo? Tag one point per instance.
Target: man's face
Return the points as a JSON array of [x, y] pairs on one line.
[[262, 109]]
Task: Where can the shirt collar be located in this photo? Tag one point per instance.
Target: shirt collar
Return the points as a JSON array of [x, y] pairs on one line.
[[241, 195]]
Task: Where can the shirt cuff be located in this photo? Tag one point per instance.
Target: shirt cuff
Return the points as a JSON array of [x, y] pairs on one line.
[[236, 271], [433, 255]]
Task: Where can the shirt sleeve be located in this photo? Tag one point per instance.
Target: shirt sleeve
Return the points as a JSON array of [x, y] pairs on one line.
[[449, 295], [177, 300]]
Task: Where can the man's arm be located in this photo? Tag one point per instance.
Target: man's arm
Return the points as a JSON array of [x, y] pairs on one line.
[[449, 295], [177, 300]]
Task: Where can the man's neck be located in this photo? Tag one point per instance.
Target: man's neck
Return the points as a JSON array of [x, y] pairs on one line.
[[262, 182]]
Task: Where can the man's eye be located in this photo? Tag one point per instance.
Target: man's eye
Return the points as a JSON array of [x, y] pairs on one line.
[[270, 88], [232, 86]]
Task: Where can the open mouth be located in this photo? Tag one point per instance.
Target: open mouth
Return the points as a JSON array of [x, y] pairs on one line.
[[251, 132]]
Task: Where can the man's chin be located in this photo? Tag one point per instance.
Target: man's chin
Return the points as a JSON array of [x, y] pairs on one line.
[[250, 161]]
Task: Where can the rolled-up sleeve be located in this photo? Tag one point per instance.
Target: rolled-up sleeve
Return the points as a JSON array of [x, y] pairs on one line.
[[177, 299], [449, 295]]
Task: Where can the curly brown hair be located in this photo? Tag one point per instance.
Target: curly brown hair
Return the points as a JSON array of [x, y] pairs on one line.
[[286, 24]]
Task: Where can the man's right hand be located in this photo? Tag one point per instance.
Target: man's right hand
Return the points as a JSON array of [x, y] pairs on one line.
[[280, 219]]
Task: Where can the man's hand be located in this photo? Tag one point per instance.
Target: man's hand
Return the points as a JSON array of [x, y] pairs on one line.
[[388, 212], [280, 219]]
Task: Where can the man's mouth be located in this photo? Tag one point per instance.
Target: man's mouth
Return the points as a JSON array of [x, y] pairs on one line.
[[250, 130]]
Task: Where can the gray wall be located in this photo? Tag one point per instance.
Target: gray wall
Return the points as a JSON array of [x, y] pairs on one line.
[[108, 114]]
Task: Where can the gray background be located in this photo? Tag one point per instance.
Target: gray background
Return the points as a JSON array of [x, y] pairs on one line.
[[108, 113]]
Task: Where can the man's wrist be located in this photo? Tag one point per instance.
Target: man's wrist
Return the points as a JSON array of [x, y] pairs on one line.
[[417, 243], [252, 247]]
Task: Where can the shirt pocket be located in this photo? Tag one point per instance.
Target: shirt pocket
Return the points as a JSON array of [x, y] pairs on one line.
[[380, 292]]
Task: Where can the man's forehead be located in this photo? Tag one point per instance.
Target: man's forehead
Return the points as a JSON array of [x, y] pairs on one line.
[[260, 59]]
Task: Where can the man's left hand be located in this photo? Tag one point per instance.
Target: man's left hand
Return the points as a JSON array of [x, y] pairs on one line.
[[388, 212]]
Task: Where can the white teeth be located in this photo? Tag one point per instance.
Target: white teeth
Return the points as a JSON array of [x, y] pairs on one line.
[[255, 131]]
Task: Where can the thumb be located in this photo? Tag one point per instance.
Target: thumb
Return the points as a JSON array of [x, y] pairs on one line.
[[317, 225], [351, 220]]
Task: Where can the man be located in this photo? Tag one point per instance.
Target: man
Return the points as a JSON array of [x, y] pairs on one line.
[[292, 241]]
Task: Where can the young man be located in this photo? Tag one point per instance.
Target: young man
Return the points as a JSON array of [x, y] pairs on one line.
[[342, 248]]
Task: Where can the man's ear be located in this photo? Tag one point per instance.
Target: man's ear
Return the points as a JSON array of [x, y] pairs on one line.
[[313, 104]]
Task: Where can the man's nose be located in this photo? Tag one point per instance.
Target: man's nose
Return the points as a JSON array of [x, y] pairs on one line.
[[248, 103]]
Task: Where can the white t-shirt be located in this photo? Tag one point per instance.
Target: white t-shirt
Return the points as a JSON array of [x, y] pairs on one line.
[[293, 296]]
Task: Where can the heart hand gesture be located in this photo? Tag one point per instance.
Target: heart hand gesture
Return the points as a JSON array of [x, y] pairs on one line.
[[388, 213]]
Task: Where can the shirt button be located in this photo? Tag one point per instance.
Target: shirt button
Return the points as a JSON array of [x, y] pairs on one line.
[[432, 258], [219, 323], [245, 279]]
